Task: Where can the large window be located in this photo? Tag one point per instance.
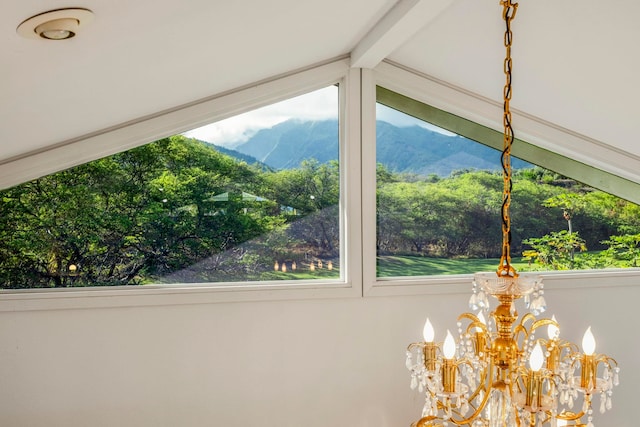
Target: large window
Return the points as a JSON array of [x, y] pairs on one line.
[[290, 200], [251, 198], [439, 200]]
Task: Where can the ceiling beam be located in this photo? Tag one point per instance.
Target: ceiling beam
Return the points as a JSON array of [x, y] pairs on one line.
[[403, 20]]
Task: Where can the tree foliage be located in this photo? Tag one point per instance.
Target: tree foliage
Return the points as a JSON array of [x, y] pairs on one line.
[[555, 251], [126, 219], [177, 210], [459, 216]]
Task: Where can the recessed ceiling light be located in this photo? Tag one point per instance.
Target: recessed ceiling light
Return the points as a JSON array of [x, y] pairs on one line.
[[59, 24]]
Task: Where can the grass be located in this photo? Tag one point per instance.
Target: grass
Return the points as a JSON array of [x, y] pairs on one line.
[[301, 275], [396, 265], [405, 265]]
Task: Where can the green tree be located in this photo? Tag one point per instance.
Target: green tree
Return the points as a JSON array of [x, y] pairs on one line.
[[311, 190], [570, 203], [129, 218], [623, 251], [555, 250]]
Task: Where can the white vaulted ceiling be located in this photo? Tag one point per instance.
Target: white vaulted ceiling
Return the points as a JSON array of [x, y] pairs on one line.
[[141, 57], [575, 60], [575, 64]]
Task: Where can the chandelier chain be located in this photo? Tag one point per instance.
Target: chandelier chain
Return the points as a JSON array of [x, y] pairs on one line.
[[505, 268]]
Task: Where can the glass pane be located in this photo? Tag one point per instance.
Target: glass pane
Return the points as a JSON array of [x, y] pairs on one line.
[[251, 198], [438, 209]]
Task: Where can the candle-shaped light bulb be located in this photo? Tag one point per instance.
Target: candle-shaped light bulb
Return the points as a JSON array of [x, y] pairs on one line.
[[588, 342], [430, 347], [553, 332], [536, 359], [449, 347], [428, 332]]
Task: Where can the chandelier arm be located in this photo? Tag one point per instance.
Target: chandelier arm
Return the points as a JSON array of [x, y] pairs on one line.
[[422, 422], [600, 358], [479, 389], [571, 346], [527, 317], [606, 360], [486, 387], [542, 322], [536, 324], [570, 416], [469, 316], [482, 387], [475, 323], [474, 326], [463, 420], [520, 329]]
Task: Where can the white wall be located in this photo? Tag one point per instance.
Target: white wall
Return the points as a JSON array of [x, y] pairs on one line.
[[312, 363]]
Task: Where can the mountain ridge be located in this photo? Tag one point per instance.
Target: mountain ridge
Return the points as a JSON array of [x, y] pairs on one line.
[[412, 149]]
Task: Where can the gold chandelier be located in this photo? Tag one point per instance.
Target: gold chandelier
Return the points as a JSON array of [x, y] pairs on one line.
[[501, 373]]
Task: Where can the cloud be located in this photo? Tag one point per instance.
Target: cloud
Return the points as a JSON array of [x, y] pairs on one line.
[[317, 105]]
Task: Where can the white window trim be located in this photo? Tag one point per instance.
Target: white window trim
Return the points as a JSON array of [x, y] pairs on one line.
[[104, 143], [483, 112], [173, 122], [358, 195], [488, 113]]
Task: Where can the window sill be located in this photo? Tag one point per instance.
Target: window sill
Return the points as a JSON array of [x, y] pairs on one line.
[[461, 284], [162, 295]]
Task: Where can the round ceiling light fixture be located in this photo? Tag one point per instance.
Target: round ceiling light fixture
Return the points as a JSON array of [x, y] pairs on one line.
[[59, 24]]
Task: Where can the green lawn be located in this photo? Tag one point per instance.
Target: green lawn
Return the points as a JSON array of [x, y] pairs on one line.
[[404, 265], [394, 265], [399, 266], [301, 274]]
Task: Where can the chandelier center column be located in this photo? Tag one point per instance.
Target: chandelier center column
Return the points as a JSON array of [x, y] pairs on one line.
[[504, 350]]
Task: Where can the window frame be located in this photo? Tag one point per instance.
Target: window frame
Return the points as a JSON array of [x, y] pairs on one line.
[[179, 120], [358, 188], [460, 110]]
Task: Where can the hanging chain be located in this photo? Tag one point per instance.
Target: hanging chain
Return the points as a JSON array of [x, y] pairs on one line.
[[506, 269]]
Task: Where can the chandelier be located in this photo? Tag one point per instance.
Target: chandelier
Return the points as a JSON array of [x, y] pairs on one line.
[[501, 373]]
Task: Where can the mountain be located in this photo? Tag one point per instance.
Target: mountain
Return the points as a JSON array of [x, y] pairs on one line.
[[286, 145], [411, 149], [248, 159]]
